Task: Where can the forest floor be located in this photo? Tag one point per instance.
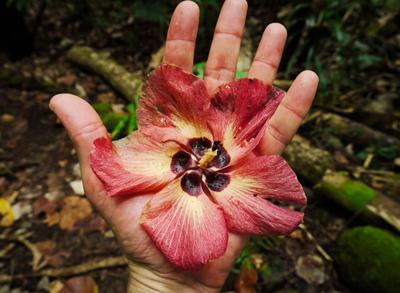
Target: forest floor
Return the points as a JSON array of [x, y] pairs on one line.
[[55, 239], [59, 228]]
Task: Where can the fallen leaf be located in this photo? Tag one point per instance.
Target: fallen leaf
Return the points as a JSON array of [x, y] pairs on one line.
[[81, 284], [62, 163], [46, 247], [45, 206], [56, 286], [7, 118], [67, 79], [107, 97], [6, 213], [245, 282], [94, 223], [76, 170], [77, 187], [74, 210], [44, 284], [311, 269], [89, 85], [52, 219], [51, 256], [21, 209]]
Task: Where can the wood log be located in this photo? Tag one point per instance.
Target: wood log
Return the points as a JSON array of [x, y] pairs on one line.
[[357, 197], [12, 77], [317, 167], [357, 133], [385, 181], [126, 83], [309, 162]]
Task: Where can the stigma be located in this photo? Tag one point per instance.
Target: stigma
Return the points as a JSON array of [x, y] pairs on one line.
[[208, 156]]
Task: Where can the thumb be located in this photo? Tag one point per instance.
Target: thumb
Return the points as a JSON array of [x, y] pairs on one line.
[[80, 120], [83, 126]]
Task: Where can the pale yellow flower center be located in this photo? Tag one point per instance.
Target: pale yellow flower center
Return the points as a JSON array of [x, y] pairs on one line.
[[207, 157]]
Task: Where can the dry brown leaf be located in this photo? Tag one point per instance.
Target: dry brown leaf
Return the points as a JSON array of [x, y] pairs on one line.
[[50, 255], [67, 79], [74, 210], [246, 281], [81, 284], [311, 269]]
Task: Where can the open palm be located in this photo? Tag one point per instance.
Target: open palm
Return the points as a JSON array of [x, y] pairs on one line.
[[84, 125]]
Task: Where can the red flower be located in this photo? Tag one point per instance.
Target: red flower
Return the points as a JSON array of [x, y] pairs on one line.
[[195, 155]]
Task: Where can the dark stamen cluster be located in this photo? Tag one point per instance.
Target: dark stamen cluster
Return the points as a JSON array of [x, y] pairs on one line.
[[189, 165]]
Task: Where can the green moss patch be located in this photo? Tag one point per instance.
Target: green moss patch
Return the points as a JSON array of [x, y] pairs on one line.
[[368, 260]]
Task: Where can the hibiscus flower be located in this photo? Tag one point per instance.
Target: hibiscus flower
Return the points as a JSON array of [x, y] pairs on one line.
[[195, 154]]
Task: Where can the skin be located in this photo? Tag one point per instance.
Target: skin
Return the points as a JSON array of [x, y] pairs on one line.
[[149, 271]]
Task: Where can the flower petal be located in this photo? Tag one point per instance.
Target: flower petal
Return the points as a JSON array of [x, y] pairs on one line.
[[243, 198], [174, 106], [270, 176], [188, 230], [133, 164], [253, 215], [239, 112]]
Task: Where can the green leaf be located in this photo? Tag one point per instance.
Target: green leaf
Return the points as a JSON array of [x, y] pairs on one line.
[[240, 74], [132, 123], [119, 127], [102, 109], [198, 69]]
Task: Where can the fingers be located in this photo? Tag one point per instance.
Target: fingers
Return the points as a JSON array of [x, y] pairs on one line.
[[81, 122], [222, 59], [181, 37], [288, 116], [269, 53]]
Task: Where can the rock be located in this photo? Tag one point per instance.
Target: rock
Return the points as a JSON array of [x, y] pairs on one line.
[[368, 260], [77, 187], [311, 269]]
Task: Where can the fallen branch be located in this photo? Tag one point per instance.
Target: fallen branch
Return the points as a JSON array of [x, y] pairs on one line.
[[317, 166], [385, 181], [358, 133], [126, 83], [12, 77], [82, 268]]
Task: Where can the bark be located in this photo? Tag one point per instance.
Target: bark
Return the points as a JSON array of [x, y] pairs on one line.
[[309, 162], [317, 167], [12, 77], [126, 83], [359, 198], [385, 181], [357, 133]]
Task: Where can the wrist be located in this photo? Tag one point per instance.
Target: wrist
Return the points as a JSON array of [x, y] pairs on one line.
[[142, 279]]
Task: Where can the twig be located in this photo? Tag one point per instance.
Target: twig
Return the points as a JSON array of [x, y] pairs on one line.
[[319, 248], [82, 268]]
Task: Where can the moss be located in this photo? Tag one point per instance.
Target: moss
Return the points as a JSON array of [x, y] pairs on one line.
[[368, 260], [353, 195]]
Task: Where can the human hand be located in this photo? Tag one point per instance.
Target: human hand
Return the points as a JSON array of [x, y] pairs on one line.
[[149, 271]]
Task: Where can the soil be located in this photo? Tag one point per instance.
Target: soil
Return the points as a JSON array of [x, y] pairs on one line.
[[38, 162]]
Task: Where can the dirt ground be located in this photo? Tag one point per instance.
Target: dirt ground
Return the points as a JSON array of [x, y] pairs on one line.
[[54, 226], [60, 229]]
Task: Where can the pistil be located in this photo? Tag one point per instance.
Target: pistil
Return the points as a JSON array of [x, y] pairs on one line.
[[208, 156]]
